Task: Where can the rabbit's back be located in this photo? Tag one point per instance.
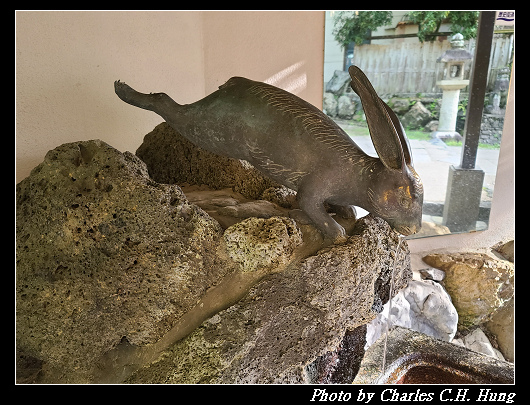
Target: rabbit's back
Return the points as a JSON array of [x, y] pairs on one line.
[[279, 133]]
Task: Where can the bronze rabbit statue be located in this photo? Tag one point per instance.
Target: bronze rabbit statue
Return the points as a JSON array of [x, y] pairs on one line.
[[297, 145]]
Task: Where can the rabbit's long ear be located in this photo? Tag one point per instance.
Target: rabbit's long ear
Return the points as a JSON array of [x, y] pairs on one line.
[[405, 145], [385, 135]]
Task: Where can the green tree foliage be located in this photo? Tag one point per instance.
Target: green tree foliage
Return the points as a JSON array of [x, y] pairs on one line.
[[355, 26], [464, 22]]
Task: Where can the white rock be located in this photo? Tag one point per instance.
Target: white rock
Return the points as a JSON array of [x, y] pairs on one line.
[[499, 355], [423, 306], [400, 315], [458, 342], [432, 274], [479, 342]]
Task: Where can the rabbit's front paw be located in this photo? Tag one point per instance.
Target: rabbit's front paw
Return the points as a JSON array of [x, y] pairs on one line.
[[335, 233]]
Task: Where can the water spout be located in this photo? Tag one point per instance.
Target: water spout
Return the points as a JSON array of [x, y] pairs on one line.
[[388, 323]]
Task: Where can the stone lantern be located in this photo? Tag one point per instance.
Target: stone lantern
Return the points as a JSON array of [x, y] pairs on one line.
[[452, 74]]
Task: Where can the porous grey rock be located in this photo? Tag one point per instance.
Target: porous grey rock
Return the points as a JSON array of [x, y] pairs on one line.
[[292, 318], [103, 254], [172, 159], [341, 365], [282, 196], [111, 262], [258, 242]]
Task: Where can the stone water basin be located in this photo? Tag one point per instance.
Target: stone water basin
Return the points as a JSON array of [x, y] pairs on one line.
[[415, 358]]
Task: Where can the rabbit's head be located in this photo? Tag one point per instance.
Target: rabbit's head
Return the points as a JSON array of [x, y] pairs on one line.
[[396, 195]]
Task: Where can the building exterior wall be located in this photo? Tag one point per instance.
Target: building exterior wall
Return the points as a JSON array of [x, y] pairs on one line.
[[333, 51]]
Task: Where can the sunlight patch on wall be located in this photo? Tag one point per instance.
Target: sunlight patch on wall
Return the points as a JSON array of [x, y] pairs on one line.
[[290, 79]]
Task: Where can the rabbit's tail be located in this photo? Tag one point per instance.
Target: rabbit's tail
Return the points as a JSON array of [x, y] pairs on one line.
[[159, 103]]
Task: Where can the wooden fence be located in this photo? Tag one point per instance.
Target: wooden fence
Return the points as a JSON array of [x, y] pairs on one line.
[[501, 55], [410, 67]]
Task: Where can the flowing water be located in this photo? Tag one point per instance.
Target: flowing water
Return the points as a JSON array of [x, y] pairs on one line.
[[388, 323]]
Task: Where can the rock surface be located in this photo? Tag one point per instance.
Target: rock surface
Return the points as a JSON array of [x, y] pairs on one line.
[[341, 365], [399, 105], [502, 325], [257, 242], [345, 108], [103, 253], [432, 274], [478, 284], [329, 104], [479, 342], [229, 207], [291, 318], [416, 117], [113, 266], [423, 306], [172, 159], [432, 229], [506, 250], [339, 82], [432, 126]]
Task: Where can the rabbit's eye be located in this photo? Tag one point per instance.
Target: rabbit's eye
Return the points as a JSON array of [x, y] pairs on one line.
[[405, 202]]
